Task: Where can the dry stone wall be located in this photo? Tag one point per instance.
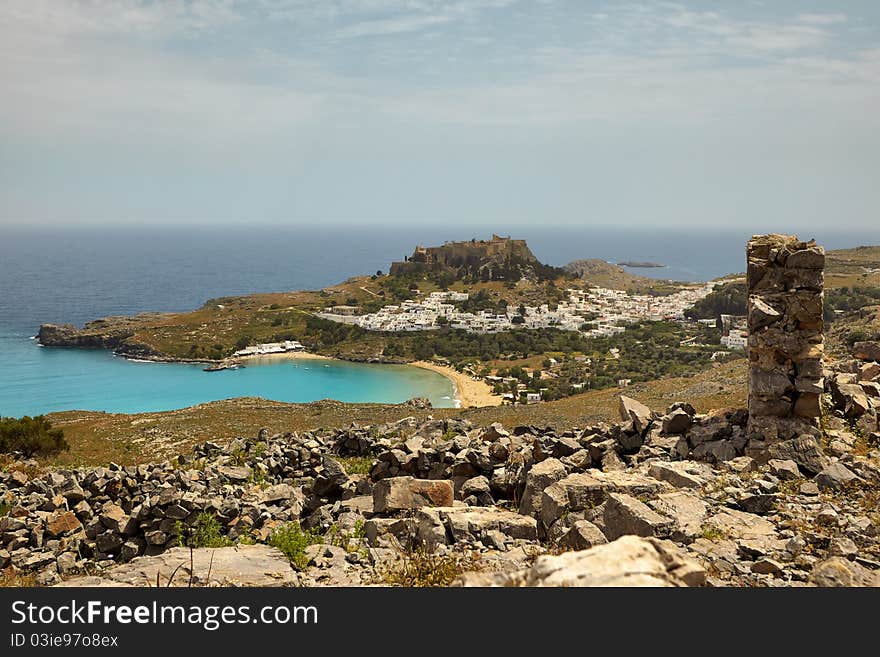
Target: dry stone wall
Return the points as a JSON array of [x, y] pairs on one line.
[[785, 319]]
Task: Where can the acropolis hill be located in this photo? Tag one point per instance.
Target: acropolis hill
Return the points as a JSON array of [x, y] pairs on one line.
[[499, 258]]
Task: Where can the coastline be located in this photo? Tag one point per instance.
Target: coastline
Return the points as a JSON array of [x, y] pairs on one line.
[[468, 392]]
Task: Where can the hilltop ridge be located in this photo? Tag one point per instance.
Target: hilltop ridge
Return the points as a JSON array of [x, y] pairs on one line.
[[496, 259]]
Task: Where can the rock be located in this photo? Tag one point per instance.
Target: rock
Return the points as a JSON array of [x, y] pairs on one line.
[[842, 546], [493, 432], [625, 515], [687, 512], [479, 488], [837, 571], [62, 523], [538, 478], [835, 477], [867, 350], [406, 493], [635, 412], [115, 519], [583, 535], [681, 474], [110, 542], [243, 565], [739, 524], [785, 469], [869, 372], [278, 493], [331, 479], [435, 526], [235, 473], [803, 450], [761, 314], [71, 491], [677, 422], [629, 561], [758, 503], [66, 563], [767, 567]]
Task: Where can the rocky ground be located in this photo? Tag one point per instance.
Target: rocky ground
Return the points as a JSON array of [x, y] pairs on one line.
[[672, 498]]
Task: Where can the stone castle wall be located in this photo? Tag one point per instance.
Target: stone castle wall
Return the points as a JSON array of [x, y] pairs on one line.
[[785, 319]]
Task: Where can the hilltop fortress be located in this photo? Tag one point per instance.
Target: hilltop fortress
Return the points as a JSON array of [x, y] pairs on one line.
[[500, 258]]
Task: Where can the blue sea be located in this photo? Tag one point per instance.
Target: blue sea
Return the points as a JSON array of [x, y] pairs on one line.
[[75, 275]]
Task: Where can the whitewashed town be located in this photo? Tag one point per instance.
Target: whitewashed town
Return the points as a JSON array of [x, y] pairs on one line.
[[595, 312]]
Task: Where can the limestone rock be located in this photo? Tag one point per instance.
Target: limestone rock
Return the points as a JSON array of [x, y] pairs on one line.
[[62, 523], [837, 571], [244, 565], [635, 412], [835, 477], [625, 515], [406, 493], [628, 561]]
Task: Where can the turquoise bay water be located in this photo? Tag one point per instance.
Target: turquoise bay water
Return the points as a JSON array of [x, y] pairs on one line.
[[67, 379]]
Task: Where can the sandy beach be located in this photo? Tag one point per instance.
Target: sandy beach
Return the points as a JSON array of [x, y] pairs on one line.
[[468, 392]]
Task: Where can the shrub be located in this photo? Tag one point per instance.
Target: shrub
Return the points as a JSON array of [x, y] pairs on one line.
[[32, 436], [422, 568], [357, 464], [205, 533], [293, 541]]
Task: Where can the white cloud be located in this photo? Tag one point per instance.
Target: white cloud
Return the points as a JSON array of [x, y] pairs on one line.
[[391, 26], [822, 19]]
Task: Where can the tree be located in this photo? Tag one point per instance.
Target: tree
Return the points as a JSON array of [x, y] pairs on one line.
[[31, 436]]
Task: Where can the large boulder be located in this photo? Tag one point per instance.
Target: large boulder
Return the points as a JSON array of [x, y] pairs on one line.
[[406, 493], [635, 412], [835, 477], [840, 572], [488, 525], [804, 451], [628, 561], [625, 515], [243, 565], [539, 477]]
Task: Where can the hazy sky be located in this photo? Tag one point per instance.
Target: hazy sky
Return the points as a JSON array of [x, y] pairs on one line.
[[463, 111]]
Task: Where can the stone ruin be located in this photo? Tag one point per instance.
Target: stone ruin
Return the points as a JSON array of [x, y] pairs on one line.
[[785, 322]]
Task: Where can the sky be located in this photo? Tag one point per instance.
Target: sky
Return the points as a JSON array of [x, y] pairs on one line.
[[464, 112]]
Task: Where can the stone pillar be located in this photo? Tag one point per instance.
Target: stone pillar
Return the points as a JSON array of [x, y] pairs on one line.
[[785, 318]]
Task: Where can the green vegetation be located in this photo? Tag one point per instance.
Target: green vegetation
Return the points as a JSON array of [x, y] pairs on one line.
[[356, 464], [725, 299], [206, 533], [849, 299], [293, 541], [31, 436]]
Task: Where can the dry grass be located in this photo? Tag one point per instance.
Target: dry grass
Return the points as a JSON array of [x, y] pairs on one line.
[[419, 568], [13, 578]]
